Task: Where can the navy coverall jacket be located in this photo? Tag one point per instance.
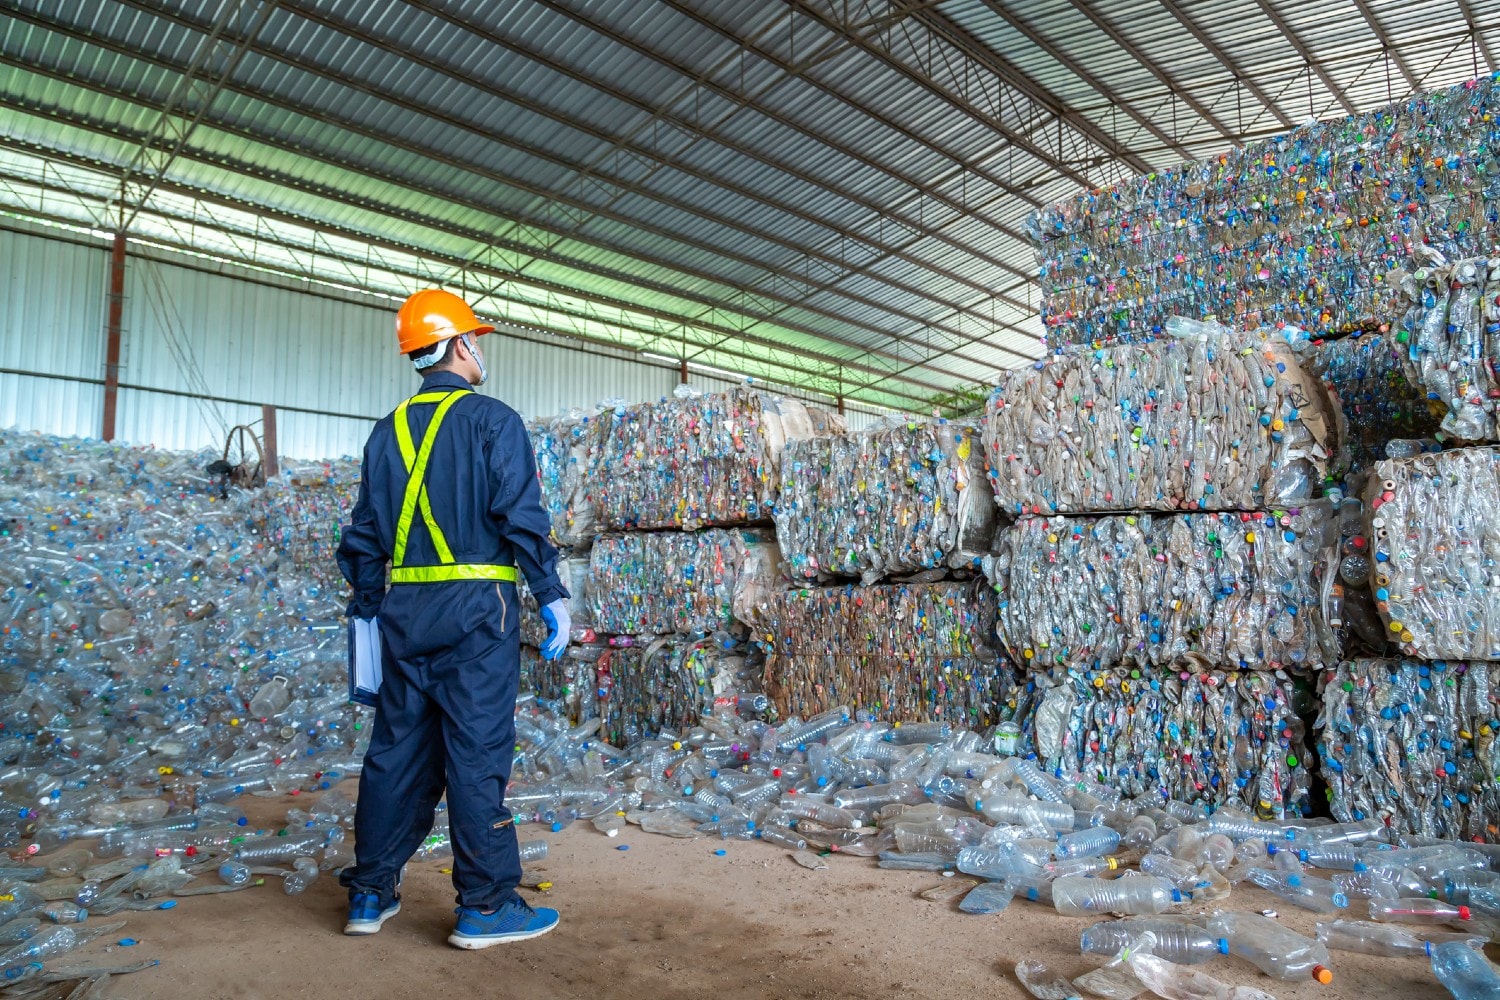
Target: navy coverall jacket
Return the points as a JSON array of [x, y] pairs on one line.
[[451, 650]]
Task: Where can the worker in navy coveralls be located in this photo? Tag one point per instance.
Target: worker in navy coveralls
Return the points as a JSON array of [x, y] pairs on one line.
[[449, 499]]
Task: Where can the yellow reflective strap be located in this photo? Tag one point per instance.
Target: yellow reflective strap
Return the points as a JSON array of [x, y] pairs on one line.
[[453, 571], [403, 429], [438, 541], [418, 470]]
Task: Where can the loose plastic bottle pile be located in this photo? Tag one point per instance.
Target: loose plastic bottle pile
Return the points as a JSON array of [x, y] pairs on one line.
[[1434, 531], [655, 583], [934, 797], [893, 500], [1202, 423], [158, 659], [1310, 228], [1207, 590], [1415, 741], [696, 459]]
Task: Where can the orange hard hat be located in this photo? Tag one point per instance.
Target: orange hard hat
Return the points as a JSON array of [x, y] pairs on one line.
[[433, 315]]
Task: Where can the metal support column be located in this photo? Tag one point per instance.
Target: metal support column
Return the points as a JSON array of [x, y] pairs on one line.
[[268, 463], [113, 319]]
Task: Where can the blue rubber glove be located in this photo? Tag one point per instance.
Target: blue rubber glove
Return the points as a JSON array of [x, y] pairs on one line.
[[560, 623]]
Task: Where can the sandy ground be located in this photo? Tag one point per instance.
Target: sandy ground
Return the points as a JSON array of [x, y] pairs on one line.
[[666, 919]]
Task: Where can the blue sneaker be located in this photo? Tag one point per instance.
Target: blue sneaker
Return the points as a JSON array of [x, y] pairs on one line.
[[513, 921], [366, 915]]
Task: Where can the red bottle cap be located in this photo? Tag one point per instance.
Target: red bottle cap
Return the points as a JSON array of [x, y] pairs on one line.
[[1463, 913], [1322, 974]]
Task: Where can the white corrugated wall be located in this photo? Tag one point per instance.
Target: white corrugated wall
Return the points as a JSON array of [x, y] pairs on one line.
[[327, 363], [52, 324]]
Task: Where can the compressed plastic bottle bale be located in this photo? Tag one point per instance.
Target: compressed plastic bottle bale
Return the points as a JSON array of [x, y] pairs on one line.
[[917, 621], [1412, 744], [1370, 378], [569, 684], [671, 683], [1452, 333], [1225, 423], [1309, 228], [962, 689], [1219, 590], [1435, 537], [696, 460], [564, 447], [655, 583], [1208, 736], [902, 498]]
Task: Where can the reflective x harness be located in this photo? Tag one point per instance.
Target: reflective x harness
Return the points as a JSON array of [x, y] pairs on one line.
[[415, 497]]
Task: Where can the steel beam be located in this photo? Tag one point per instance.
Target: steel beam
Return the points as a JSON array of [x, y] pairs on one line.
[[1083, 73], [1014, 77], [1476, 33], [1175, 88], [531, 250], [209, 200], [113, 320], [1388, 47], [269, 465], [268, 52], [1313, 64], [758, 155], [1240, 74]]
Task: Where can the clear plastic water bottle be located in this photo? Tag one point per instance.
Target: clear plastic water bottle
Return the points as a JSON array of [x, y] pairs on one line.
[[1088, 843], [1185, 944], [533, 850], [1390, 940], [1277, 951], [1076, 896], [1417, 911], [1465, 972]]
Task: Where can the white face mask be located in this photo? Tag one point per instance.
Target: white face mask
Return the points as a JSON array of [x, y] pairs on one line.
[[484, 375]]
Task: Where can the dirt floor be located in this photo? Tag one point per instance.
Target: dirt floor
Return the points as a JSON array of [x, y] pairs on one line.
[[666, 919]]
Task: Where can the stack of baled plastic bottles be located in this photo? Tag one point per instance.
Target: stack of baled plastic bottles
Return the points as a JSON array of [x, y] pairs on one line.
[[1196, 736], [1413, 742], [1311, 228], [903, 498], [695, 459], [665, 512], [657, 583], [1211, 421], [1207, 450]]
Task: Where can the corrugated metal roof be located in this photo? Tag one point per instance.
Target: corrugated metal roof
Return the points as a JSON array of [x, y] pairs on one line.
[[845, 183]]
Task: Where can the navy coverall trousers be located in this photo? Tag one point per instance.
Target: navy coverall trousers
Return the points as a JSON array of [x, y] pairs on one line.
[[445, 719]]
